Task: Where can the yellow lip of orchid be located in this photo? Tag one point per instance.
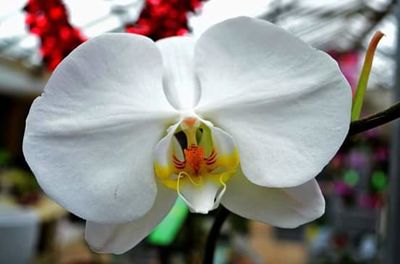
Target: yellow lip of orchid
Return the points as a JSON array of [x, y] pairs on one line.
[[195, 159]]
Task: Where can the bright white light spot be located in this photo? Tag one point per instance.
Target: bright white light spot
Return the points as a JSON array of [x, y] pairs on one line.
[[215, 11], [82, 13], [13, 26], [110, 23], [8, 7], [30, 42]]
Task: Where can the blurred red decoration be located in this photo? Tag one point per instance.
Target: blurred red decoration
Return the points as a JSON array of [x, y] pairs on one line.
[[164, 18], [48, 19]]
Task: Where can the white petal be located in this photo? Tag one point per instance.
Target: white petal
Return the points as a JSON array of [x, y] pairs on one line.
[[89, 138], [282, 207], [180, 82], [286, 104], [119, 238]]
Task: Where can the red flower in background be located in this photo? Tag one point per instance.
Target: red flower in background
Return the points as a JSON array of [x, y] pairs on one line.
[[49, 21], [164, 18]]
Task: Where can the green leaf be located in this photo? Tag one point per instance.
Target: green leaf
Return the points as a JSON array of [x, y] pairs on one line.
[[164, 234]]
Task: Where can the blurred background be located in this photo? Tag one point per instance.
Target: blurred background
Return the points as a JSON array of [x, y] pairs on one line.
[[359, 225]]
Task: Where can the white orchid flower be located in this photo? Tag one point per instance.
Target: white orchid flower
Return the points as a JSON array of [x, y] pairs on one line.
[[246, 116]]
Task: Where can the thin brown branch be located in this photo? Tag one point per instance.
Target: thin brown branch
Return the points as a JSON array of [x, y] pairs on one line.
[[375, 120]]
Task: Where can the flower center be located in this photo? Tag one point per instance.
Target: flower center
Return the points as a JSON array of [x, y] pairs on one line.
[[198, 156]]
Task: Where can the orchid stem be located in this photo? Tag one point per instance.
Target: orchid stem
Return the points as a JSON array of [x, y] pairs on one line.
[[356, 127], [375, 120], [211, 243]]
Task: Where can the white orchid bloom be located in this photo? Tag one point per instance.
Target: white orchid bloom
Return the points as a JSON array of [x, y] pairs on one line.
[[246, 116]]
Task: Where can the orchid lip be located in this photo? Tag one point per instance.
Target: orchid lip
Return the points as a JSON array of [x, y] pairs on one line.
[[195, 163]]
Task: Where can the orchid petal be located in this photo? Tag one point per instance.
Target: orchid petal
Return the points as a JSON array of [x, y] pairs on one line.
[[281, 207], [89, 138], [181, 85], [286, 104], [119, 238]]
